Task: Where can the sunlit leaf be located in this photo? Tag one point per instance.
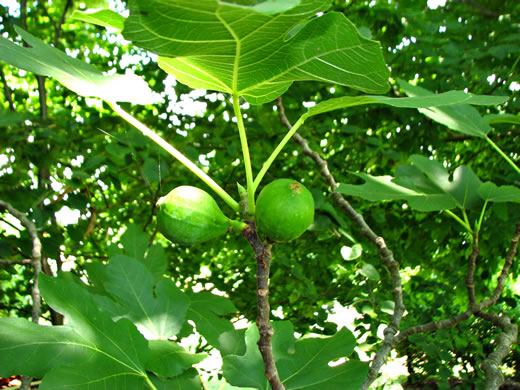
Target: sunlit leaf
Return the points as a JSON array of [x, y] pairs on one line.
[[302, 364], [463, 186], [92, 352], [102, 17], [369, 272], [377, 188], [491, 192], [256, 51], [80, 77], [426, 186], [461, 118], [492, 119], [158, 313], [168, 359], [423, 102], [205, 310], [351, 253]]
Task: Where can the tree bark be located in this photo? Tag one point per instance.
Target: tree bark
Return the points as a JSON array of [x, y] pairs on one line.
[[263, 263]]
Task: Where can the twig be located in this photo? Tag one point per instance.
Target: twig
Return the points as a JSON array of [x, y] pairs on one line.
[[449, 322], [7, 91], [387, 257], [263, 263], [505, 270], [504, 341], [36, 255], [476, 307], [61, 22], [46, 12], [154, 197], [470, 282], [433, 326], [479, 9], [23, 14], [21, 262], [42, 96]]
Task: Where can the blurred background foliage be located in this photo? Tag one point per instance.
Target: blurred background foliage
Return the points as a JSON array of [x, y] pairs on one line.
[[83, 175]]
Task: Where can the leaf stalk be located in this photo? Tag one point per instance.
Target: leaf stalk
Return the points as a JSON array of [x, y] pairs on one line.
[[247, 158], [176, 154], [277, 151], [149, 383], [479, 223], [505, 156], [459, 220]]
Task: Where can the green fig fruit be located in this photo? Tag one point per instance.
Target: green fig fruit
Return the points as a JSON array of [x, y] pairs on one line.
[[188, 215], [284, 210]]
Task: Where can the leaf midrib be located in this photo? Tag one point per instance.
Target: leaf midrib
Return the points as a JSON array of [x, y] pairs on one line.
[[86, 346]]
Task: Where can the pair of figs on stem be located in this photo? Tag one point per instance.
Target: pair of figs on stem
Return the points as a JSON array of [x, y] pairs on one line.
[[188, 215]]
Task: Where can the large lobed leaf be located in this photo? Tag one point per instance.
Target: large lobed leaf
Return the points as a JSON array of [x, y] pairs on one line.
[[80, 77], [129, 288], [205, 310], [419, 102], [101, 17], [92, 353], [256, 51], [492, 193], [461, 118], [501, 118], [157, 312], [100, 348], [428, 186], [301, 364]]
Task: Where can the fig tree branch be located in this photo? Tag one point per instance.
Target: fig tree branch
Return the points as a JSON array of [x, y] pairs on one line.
[[452, 321], [393, 267], [505, 270], [386, 255], [477, 307], [263, 263], [505, 340]]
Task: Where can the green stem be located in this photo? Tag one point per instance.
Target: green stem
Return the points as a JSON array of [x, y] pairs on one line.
[[479, 223], [178, 155], [277, 151], [505, 156], [513, 68], [466, 219], [149, 383], [247, 158], [459, 220]]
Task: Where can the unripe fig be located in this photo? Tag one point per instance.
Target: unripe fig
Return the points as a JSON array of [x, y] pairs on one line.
[[188, 215], [284, 210]]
